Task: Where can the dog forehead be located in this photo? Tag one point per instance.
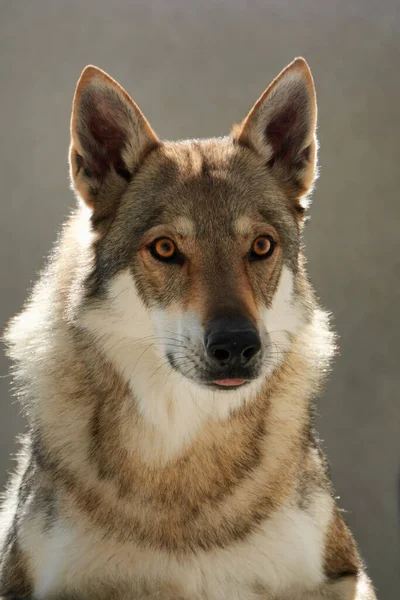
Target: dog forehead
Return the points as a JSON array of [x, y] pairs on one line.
[[211, 190], [205, 186]]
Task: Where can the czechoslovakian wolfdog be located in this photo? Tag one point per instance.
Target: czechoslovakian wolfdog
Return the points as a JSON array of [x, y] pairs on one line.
[[167, 360]]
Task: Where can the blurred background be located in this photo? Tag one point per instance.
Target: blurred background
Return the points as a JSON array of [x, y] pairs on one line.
[[195, 67]]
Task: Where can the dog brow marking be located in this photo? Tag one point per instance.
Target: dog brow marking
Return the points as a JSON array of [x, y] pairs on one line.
[[184, 227], [243, 225]]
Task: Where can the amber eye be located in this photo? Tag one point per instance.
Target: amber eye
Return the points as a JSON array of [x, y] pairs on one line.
[[165, 250], [262, 247], [164, 247]]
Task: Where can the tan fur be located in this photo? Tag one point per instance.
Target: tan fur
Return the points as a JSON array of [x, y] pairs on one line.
[[140, 480], [340, 551]]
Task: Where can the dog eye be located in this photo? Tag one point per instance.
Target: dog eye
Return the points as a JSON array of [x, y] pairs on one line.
[[262, 247], [165, 250]]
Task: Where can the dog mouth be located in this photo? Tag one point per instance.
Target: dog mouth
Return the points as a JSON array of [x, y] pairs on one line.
[[229, 384], [223, 380], [229, 380]]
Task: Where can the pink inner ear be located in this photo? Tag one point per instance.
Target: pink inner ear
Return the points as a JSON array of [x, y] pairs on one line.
[[107, 127], [279, 129]]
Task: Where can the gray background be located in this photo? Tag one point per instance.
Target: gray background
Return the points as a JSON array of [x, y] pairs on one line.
[[195, 67]]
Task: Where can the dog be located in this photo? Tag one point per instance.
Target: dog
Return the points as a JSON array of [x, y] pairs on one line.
[[167, 362]]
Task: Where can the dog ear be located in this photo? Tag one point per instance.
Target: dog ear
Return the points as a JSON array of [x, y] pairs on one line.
[[109, 139], [281, 127]]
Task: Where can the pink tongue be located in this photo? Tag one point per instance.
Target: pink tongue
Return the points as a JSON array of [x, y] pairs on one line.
[[229, 382]]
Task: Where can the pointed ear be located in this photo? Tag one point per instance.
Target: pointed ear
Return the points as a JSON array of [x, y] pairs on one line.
[[281, 127], [109, 139]]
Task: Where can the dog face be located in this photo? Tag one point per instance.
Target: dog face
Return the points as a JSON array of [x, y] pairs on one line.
[[197, 243]]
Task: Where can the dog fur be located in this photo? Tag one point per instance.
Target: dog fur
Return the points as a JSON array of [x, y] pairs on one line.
[[141, 478]]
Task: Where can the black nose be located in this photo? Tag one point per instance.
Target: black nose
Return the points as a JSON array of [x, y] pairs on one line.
[[231, 341]]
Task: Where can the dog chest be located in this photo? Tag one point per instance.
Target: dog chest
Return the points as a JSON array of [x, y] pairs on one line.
[[286, 552]]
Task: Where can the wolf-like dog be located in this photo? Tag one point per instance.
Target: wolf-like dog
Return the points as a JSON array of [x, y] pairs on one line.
[[167, 362]]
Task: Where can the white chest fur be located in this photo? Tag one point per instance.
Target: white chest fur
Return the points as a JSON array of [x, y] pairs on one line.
[[285, 554]]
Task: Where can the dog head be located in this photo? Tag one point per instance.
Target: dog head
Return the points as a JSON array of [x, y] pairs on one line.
[[196, 245]]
